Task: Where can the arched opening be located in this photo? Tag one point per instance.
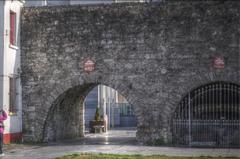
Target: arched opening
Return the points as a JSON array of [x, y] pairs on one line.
[[208, 116], [116, 115], [73, 114]]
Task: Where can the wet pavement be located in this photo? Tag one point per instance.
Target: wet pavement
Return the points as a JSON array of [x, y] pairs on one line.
[[118, 141]]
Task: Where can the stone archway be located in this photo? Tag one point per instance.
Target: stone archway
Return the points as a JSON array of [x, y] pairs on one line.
[[65, 117], [192, 83], [152, 54], [208, 115]]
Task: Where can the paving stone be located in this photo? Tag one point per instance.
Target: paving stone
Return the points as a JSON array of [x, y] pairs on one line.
[[115, 146]]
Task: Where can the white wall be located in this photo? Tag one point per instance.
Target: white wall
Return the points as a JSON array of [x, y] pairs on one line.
[[11, 62]]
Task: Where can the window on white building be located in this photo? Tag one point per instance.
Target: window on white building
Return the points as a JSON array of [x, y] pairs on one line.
[[13, 28], [12, 94]]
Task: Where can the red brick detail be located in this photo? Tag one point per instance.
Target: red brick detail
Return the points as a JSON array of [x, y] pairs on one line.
[[12, 137]]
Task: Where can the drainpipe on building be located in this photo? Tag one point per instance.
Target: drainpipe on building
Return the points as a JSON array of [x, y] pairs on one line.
[[2, 55]]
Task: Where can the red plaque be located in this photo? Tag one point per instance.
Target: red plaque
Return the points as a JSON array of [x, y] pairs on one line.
[[218, 62], [89, 66]]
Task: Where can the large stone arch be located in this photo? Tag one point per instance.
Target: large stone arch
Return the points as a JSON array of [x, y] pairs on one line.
[[152, 53], [64, 118], [208, 109], [77, 89], [191, 83]]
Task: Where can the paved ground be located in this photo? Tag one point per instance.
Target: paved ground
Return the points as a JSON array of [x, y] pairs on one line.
[[113, 142]]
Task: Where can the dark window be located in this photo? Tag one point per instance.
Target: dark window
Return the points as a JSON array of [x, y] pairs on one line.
[[13, 28], [12, 94]]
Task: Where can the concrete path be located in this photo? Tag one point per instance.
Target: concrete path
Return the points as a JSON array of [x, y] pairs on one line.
[[113, 142]]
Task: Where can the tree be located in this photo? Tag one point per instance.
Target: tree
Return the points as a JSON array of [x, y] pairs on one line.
[[97, 114]]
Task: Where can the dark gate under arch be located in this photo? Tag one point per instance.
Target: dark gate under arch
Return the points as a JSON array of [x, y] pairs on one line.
[[208, 116]]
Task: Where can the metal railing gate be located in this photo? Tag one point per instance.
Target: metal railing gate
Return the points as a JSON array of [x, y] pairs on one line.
[[209, 116]]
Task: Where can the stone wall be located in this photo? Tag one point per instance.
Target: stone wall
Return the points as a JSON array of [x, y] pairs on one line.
[[153, 54]]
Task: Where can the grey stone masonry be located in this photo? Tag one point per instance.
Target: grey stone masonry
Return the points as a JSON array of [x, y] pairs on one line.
[[152, 53]]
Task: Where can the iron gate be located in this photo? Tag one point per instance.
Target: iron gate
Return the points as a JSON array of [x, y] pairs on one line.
[[208, 116]]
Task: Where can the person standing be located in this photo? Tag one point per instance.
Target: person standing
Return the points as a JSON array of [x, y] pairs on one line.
[[3, 116]]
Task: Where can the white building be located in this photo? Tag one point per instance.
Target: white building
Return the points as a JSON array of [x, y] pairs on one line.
[[10, 88], [113, 107]]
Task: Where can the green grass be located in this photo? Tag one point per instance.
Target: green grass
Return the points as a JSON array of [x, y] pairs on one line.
[[76, 156]]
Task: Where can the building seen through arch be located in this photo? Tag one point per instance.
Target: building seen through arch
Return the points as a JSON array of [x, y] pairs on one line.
[[114, 108]]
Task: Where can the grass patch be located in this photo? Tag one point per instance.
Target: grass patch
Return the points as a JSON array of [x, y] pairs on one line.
[[76, 156]]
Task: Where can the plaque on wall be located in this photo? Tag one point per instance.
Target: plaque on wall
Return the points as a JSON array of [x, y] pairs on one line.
[[218, 62], [89, 66]]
